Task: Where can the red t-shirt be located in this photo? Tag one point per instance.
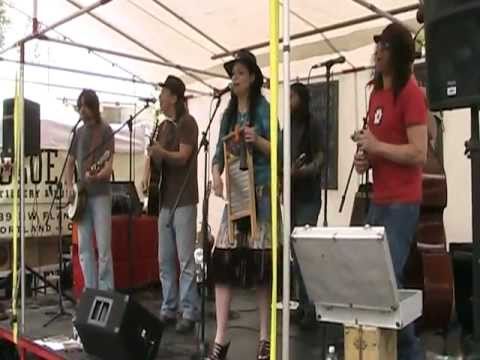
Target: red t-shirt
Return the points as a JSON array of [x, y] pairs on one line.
[[388, 120]]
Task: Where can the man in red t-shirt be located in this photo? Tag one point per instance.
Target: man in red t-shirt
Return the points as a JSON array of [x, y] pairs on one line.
[[395, 147]]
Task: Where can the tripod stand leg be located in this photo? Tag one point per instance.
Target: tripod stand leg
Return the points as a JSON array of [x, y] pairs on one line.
[[58, 315]]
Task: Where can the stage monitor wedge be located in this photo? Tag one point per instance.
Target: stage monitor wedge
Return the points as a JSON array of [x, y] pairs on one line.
[[31, 128], [113, 326], [452, 33]]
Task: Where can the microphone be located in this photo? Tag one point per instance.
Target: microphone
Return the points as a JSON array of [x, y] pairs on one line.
[[148, 100], [331, 62], [219, 93]]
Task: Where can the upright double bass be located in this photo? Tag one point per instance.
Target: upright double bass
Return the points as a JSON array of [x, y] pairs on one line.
[[429, 267]]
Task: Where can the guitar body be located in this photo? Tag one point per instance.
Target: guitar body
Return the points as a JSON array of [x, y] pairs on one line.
[[153, 201], [429, 267], [164, 134], [78, 202]]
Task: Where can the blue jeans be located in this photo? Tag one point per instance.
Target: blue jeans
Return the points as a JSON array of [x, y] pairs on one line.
[[400, 222], [305, 212], [178, 240], [96, 217]]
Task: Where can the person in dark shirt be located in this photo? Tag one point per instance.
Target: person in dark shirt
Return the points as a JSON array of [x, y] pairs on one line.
[[307, 160], [306, 200], [89, 144], [176, 157]]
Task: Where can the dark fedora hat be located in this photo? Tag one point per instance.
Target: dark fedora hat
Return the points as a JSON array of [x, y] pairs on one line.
[[246, 58], [175, 85]]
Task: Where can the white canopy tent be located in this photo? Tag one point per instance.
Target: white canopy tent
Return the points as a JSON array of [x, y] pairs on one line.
[[197, 35], [153, 29]]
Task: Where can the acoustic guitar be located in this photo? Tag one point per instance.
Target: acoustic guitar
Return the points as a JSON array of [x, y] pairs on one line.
[[78, 201], [153, 190], [164, 135]]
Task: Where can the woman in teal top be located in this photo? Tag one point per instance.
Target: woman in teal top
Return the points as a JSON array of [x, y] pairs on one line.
[[246, 259]]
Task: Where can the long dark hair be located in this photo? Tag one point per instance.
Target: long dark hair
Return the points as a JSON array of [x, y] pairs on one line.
[[180, 109], [401, 62], [302, 112], [254, 96], [90, 100]]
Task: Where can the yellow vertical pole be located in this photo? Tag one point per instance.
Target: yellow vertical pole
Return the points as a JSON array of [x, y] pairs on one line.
[[18, 114], [274, 61]]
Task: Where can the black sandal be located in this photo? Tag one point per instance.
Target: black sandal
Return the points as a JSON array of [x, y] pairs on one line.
[[218, 352], [263, 352]]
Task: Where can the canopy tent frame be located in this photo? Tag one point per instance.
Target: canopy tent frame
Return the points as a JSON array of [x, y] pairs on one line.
[[190, 25], [382, 13], [80, 12], [328, 28], [97, 74], [143, 46], [135, 57]]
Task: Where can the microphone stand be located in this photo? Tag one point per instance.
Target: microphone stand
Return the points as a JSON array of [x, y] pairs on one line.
[[202, 352], [130, 120], [347, 186], [473, 150], [58, 196], [328, 67]]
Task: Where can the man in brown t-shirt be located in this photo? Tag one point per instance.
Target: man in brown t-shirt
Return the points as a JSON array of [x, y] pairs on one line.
[[175, 152]]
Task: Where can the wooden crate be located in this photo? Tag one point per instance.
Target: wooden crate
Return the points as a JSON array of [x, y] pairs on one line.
[[370, 343]]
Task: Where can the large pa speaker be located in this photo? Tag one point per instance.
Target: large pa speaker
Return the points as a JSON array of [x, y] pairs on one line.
[[113, 326], [452, 29], [32, 128]]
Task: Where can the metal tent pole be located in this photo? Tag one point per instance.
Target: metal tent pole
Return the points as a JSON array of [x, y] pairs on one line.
[[190, 25], [144, 47], [382, 13], [323, 29], [286, 181], [34, 17], [91, 73], [76, 14], [135, 57], [22, 189]]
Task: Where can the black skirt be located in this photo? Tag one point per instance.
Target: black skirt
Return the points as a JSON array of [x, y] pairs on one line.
[[242, 267]]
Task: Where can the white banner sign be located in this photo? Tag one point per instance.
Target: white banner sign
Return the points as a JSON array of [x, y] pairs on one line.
[[41, 177]]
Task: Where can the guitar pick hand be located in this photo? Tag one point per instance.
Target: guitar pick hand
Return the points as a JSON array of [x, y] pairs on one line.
[[156, 151]]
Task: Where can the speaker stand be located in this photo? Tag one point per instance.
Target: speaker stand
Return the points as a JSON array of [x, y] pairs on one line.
[[473, 149]]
